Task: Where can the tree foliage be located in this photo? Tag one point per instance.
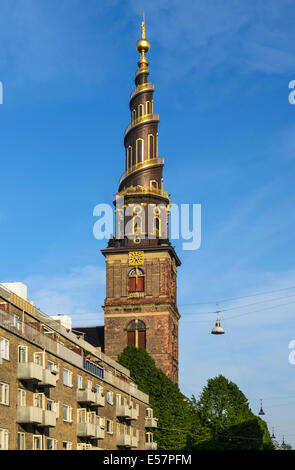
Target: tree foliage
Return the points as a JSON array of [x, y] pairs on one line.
[[220, 420], [168, 403]]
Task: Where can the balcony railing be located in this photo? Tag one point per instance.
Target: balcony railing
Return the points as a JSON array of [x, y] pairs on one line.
[[142, 120], [150, 446], [86, 430], [127, 411], [141, 88], [141, 166], [30, 371], [151, 422], [49, 379], [48, 419], [99, 433], [124, 440], [29, 415]]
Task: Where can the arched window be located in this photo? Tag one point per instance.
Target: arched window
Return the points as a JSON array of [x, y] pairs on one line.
[[140, 110], [133, 114], [148, 107], [153, 184], [151, 146], [129, 157], [136, 280], [136, 334], [139, 150]]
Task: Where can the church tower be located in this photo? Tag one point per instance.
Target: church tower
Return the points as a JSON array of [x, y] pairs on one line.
[[141, 265]]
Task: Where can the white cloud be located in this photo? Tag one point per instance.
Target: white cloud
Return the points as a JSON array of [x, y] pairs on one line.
[[78, 293]]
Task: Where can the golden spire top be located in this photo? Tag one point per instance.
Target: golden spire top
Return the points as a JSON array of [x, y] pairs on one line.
[[143, 44], [143, 26]]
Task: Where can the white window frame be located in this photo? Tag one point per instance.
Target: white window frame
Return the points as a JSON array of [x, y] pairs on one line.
[[54, 443], [39, 358], [110, 397], [69, 445], [69, 413], [4, 438], [25, 350], [39, 400], [37, 438], [4, 394], [79, 382], [21, 441], [21, 397], [69, 374], [89, 384], [4, 348], [109, 426]]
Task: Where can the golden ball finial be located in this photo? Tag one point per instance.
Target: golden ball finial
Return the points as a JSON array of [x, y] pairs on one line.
[[143, 45]]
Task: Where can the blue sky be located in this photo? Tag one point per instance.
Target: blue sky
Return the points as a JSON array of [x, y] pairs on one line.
[[221, 72]]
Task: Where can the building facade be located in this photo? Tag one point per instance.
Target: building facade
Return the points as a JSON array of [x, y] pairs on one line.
[[58, 392], [141, 264]]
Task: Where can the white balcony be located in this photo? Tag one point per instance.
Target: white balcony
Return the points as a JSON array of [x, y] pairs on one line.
[[124, 440], [86, 396], [99, 433], [100, 400], [134, 441], [48, 419], [30, 371], [151, 422], [86, 430], [49, 379], [150, 446], [29, 415], [126, 411]]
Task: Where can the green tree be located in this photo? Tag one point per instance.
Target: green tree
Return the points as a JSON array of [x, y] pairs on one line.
[[170, 406], [225, 414]]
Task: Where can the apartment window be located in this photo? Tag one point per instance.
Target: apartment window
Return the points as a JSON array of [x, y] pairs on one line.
[[81, 415], [51, 444], [50, 365], [37, 442], [21, 441], [67, 445], [89, 384], [4, 348], [39, 400], [149, 437], [38, 358], [15, 321], [50, 405], [22, 354], [110, 397], [79, 382], [3, 439], [99, 388], [21, 397], [149, 413], [118, 400], [67, 413], [4, 394], [67, 378], [110, 427]]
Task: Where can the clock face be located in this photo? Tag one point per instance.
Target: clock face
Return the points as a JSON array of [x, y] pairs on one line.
[[136, 258]]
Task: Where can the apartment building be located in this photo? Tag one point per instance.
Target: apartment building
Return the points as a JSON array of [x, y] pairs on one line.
[[58, 392]]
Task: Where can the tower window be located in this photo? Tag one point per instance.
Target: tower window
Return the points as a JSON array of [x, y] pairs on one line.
[[139, 150], [148, 107], [140, 110], [134, 115], [136, 280], [151, 149], [136, 334]]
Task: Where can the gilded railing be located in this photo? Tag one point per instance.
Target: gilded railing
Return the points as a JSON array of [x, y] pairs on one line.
[[141, 120], [142, 87], [143, 190], [141, 166]]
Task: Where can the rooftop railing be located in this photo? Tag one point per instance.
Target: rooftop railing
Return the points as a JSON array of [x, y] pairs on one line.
[[142, 166], [141, 88]]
